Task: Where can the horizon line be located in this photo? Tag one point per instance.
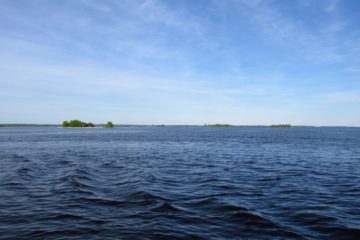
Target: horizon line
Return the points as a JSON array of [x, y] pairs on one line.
[[169, 125]]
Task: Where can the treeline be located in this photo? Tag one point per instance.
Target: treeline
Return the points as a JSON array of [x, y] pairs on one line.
[[27, 125], [281, 126], [109, 125], [78, 124], [218, 125]]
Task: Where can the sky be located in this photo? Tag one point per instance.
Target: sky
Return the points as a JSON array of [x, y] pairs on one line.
[[180, 62]]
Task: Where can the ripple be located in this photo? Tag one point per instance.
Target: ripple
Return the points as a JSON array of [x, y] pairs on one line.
[[66, 162], [337, 232], [252, 219], [145, 197], [229, 208], [64, 217], [313, 219], [60, 233], [166, 207], [75, 182], [104, 202], [14, 184]]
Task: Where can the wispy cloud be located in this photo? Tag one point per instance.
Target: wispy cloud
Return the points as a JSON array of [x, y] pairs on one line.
[[316, 42], [343, 97], [131, 30], [331, 6]]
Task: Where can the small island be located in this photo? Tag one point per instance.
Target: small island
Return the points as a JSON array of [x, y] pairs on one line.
[[281, 126], [109, 125], [79, 124], [76, 124], [218, 125]]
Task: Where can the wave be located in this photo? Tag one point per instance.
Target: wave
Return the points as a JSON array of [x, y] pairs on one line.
[[145, 197], [252, 219], [229, 208], [166, 208], [104, 202]]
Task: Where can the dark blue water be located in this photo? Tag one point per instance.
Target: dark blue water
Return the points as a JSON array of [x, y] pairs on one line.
[[180, 183]]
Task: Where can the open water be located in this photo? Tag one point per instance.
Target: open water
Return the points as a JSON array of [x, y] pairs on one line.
[[180, 183]]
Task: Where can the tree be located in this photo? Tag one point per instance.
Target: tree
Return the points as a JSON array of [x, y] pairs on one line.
[[65, 124], [77, 123], [109, 125]]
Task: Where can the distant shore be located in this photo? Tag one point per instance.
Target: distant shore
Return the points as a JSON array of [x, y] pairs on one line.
[[79, 127], [162, 125]]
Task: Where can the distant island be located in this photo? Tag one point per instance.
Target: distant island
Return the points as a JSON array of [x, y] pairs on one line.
[[218, 125], [79, 124], [109, 125], [281, 126]]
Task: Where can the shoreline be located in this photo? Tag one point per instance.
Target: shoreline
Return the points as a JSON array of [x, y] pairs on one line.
[[80, 127], [14, 125]]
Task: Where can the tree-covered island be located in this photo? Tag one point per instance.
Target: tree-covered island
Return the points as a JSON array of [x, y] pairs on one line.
[[79, 124], [76, 124]]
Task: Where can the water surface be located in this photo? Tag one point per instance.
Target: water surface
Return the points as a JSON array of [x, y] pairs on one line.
[[180, 183]]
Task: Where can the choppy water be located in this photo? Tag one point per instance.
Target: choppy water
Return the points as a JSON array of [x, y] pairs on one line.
[[180, 183]]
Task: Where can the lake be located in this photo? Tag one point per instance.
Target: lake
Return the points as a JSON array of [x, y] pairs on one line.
[[180, 183]]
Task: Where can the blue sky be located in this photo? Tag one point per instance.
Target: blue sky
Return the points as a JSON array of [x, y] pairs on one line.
[[180, 62]]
